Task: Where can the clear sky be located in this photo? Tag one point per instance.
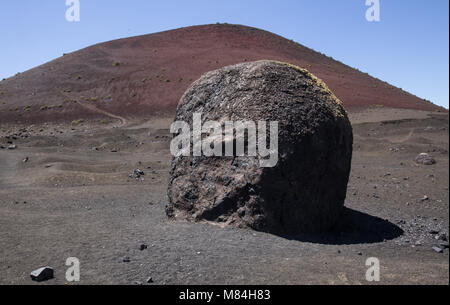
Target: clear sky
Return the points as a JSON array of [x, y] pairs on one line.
[[408, 47]]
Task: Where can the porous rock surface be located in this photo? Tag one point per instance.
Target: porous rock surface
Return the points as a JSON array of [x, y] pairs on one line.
[[305, 191]]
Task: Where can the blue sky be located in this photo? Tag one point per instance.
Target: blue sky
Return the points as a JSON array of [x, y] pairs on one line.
[[408, 48]]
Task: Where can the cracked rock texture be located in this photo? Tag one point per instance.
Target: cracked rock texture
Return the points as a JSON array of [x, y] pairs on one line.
[[305, 191]]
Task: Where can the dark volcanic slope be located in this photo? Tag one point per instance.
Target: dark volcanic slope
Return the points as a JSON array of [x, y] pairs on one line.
[[147, 75]]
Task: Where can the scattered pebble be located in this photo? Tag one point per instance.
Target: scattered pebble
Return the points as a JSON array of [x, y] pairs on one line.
[[137, 174], [443, 244], [437, 249], [42, 274], [442, 237], [425, 159]]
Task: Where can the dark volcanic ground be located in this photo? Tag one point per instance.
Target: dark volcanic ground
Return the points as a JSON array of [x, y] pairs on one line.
[[73, 197]]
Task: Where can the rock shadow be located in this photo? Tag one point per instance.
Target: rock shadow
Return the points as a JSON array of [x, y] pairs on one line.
[[353, 227]]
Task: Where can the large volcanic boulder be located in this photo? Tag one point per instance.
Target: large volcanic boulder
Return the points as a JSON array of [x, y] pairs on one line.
[[306, 189]]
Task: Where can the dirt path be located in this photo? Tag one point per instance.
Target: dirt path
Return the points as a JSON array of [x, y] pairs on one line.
[[92, 108]]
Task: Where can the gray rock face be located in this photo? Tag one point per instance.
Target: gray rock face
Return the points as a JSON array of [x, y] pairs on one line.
[[305, 191]]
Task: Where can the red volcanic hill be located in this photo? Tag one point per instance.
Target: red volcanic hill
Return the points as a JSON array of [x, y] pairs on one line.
[[146, 75]]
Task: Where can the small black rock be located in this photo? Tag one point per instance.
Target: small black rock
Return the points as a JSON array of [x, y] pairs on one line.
[[42, 274], [442, 237], [443, 244]]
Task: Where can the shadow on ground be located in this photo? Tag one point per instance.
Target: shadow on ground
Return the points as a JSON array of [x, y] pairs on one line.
[[354, 228]]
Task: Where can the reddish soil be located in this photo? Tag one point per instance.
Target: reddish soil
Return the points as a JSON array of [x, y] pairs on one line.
[[146, 75]]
